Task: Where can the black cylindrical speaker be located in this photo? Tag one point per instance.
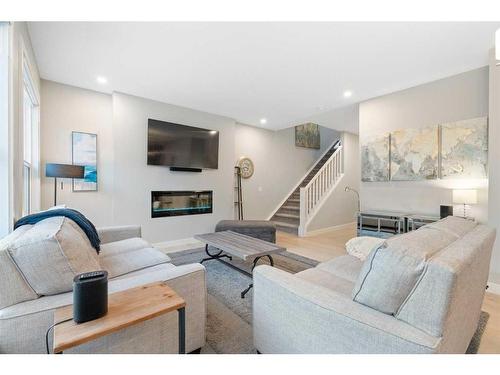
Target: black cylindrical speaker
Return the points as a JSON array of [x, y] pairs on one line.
[[90, 296]]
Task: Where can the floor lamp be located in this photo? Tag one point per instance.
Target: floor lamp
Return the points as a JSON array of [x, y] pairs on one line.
[[63, 171], [347, 189]]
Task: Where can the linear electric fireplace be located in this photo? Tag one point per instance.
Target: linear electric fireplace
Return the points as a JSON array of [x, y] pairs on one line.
[[177, 203]]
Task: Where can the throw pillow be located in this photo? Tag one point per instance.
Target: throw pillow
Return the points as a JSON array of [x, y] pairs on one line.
[[392, 270], [51, 253], [13, 286]]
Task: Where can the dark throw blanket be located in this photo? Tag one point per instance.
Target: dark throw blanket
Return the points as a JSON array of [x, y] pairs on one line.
[[84, 223]]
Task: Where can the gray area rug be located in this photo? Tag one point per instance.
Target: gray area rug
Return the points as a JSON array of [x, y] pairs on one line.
[[229, 320], [476, 339]]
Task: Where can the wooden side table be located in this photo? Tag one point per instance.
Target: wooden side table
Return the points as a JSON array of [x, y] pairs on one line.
[[125, 309]]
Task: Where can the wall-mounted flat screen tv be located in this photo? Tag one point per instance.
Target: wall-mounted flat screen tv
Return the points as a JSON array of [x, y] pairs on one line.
[[182, 146]]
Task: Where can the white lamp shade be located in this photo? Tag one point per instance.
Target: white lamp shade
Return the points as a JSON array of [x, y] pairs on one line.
[[465, 196]]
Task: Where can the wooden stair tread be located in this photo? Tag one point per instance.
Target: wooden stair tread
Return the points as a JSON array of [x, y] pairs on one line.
[[283, 224], [291, 216]]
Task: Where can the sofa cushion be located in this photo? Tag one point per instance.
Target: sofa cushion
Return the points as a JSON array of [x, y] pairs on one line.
[[448, 298], [345, 266], [13, 287], [392, 270], [327, 280], [51, 252], [167, 271], [454, 225], [118, 264], [123, 246]]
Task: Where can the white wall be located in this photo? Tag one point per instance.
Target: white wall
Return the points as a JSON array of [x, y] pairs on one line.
[[134, 179], [125, 181], [66, 109], [279, 165], [459, 97], [494, 164], [341, 206], [341, 119]]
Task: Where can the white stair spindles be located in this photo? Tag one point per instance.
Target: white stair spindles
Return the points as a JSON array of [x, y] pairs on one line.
[[313, 194]]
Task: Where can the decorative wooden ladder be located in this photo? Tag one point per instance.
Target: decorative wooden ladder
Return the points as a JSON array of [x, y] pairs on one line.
[[238, 195]]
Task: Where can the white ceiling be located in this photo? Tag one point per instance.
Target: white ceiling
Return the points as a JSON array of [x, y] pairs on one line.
[[284, 72]]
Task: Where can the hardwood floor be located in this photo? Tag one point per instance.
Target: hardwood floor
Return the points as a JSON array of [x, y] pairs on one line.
[[331, 244], [321, 247]]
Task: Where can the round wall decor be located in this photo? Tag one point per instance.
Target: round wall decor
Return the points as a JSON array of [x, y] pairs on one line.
[[246, 167]]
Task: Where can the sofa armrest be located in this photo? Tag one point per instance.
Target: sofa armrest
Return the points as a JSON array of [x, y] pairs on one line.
[[292, 315], [118, 233]]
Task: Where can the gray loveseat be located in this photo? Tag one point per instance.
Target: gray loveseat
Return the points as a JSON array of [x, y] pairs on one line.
[[420, 292], [26, 312]]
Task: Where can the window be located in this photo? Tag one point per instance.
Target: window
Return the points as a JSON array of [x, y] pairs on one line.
[[30, 139], [5, 212]]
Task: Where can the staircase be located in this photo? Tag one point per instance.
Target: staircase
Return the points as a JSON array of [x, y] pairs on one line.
[[295, 213]]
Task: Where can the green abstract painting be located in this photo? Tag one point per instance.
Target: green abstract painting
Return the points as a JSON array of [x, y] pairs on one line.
[[307, 135]]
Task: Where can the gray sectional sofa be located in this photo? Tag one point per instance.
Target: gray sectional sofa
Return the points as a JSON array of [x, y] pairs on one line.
[[32, 286], [419, 292]]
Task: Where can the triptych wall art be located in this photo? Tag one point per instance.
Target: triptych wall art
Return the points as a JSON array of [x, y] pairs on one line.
[[375, 158], [457, 150]]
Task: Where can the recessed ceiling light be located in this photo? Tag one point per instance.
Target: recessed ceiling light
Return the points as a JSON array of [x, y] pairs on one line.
[[102, 80], [347, 94], [263, 121]]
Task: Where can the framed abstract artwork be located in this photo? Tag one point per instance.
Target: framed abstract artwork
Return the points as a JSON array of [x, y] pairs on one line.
[[464, 149], [414, 154], [454, 150], [375, 158], [307, 135], [84, 152]]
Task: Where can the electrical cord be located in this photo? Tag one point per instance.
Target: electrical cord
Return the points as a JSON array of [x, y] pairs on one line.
[[48, 330]]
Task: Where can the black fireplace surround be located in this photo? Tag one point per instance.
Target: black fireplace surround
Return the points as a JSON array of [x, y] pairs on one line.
[[179, 203]]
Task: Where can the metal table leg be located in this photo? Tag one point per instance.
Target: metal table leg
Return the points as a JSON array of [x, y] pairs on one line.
[[215, 256], [182, 330], [271, 261]]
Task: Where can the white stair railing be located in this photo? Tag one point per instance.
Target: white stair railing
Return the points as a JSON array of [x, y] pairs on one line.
[[315, 192]]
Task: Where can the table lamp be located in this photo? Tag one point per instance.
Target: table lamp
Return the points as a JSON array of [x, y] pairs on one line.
[[465, 197], [63, 171]]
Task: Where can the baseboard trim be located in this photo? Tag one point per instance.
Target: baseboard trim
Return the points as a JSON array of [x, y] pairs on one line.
[[178, 245], [328, 229], [493, 288]]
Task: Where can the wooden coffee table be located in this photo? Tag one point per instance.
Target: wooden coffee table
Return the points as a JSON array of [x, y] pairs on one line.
[[125, 309], [240, 246]]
